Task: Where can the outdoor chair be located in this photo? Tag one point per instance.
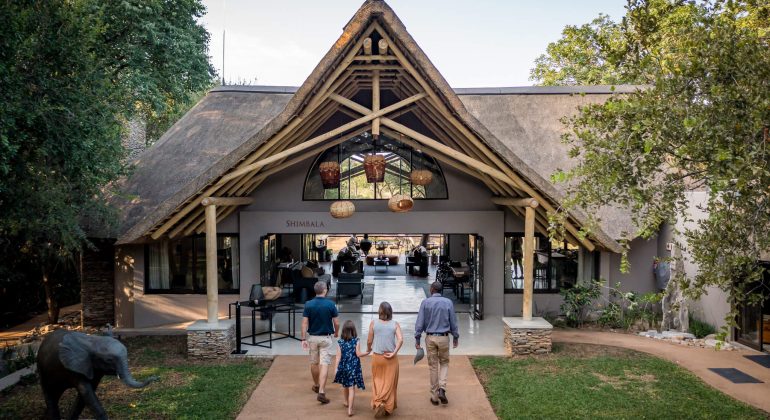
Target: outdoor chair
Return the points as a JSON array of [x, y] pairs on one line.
[[350, 284]]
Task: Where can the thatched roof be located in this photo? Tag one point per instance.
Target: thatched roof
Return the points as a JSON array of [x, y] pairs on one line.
[[231, 122]]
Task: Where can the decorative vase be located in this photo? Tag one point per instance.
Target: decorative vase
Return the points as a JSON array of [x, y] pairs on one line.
[[400, 203], [374, 167], [330, 174], [342, 209], [421, 177]]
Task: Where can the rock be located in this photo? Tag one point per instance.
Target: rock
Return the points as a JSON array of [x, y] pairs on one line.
[[677, 335]]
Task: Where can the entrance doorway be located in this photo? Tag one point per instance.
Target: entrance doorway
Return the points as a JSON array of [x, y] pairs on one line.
[[397, 268], [754, 319]]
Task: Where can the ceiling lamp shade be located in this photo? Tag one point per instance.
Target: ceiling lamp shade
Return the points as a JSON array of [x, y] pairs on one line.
[[342, 209], [400, 203], [374, 167], [330, 174], [421, 177]]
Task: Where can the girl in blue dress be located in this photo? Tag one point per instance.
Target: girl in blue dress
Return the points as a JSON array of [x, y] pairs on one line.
[[348, 373]]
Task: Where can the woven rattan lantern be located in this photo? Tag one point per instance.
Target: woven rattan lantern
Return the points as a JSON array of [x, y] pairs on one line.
[[374, 167], [330, 174], [421, 177], [400, 203], [342, 209]]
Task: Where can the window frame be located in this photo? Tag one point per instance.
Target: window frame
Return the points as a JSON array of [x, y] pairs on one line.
[[511, 291], [150, 291], [319, 158]]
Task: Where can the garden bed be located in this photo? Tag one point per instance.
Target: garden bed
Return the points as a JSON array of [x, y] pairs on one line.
[[588, 381], [187, 388]]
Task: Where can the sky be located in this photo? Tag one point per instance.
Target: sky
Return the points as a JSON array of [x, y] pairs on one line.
[[478, 43]]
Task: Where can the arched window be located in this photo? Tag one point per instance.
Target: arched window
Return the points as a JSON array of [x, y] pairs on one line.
[[400, 160]]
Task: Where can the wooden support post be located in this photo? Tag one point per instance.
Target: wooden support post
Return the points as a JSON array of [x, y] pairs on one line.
[[212, 289], [368, 46], [529, 250], [376, 102]]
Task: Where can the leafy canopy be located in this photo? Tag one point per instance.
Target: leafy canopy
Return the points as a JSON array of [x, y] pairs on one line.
[[700, 124], [71, 74]]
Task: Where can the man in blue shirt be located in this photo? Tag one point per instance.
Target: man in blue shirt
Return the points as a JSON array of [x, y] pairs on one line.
[[438, 320], [319, 323]]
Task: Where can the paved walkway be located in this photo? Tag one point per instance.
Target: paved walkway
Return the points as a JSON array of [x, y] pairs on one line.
[[12, 335], [284, 393], [696, 360]]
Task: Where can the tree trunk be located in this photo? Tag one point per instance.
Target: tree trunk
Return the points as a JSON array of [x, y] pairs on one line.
[[50, 299]]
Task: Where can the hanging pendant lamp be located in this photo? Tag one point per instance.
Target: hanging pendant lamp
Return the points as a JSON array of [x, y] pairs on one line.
[[421, 177], [374, 167], [342, 209], [330, 174], [400, 203]]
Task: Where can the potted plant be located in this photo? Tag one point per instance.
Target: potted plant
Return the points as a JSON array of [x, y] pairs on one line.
[[328, 255]]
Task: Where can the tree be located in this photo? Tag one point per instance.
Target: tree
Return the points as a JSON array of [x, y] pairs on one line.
[[585, 55], [71, 73], [701, 124]]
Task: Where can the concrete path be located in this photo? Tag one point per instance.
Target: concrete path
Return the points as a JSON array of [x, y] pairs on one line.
[[12, 335], [285, 393], [696, 360]]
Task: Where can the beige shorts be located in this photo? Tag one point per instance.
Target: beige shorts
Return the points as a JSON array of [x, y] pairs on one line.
[[322, 349]]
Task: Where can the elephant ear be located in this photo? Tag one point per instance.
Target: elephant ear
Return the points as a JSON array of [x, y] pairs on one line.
[[75, 354]]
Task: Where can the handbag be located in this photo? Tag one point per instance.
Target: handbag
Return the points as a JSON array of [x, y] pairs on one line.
[[271, 292]]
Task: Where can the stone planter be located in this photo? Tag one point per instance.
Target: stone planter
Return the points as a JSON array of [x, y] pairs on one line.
[[211, 341], [526, 337]]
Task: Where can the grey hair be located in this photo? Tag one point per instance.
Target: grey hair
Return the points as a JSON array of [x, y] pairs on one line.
[[436, 287], [319, 288]]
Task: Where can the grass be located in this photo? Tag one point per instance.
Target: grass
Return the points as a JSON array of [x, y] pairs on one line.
[[186, 390], [585, 381]]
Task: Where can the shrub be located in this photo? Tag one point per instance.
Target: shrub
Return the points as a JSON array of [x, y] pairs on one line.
[[700, 328], [577, 301]]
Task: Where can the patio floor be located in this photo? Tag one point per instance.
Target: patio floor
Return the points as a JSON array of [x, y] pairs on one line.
[[284, 393]]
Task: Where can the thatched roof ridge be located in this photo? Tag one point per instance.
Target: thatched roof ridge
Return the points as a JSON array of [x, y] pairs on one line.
[[159, 204]]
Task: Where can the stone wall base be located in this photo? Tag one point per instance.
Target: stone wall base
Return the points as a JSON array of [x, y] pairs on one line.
[[211, 341], [527, 337]]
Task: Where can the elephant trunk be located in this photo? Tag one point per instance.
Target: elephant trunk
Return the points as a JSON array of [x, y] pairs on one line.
[[129, 380]]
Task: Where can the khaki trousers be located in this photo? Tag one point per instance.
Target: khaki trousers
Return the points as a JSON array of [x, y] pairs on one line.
[[438, 362]]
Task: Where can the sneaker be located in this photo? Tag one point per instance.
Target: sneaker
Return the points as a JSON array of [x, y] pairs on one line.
[[432, 401], [322, 398], [315, 389], [442, 396]]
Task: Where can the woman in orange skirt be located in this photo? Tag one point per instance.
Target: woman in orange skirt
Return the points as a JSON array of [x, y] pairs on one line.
[[384, 342]]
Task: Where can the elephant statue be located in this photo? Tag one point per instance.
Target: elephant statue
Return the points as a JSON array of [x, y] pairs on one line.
[[68, 359]]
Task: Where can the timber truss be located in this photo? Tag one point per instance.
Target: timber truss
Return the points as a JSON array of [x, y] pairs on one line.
[[374, 63]]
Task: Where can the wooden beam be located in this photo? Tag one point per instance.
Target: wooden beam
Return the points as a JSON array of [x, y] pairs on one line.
[[529, 250], [368, 46], [376, 102], [516, 202], [227, 201], [381, 57], [212, 285], [321, 138]]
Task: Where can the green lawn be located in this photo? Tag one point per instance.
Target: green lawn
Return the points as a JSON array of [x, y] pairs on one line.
[[583, 381], [186, 390]]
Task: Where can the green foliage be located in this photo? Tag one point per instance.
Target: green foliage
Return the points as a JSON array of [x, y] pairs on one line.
[[585, 55], [600, 382], [14, 359], [700, 328], [701, 124], [578, 300], [71, 74]]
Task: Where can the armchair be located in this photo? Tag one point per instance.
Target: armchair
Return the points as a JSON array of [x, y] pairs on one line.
[[350, 284]]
